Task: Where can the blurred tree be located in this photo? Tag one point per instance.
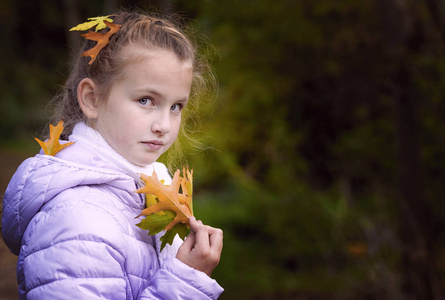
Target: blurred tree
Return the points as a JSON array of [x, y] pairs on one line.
[[406, 34], [330, 96]]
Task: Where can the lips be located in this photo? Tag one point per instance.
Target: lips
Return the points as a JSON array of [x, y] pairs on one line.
[[154, 145]]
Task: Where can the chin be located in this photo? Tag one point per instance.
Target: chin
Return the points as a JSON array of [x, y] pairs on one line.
[[144, 163]]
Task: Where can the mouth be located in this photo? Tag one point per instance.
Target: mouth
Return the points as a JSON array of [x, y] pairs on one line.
[[153, 144]]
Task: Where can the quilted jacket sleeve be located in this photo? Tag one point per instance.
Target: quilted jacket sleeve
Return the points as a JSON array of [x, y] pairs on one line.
[[75, 250], [188, 283]]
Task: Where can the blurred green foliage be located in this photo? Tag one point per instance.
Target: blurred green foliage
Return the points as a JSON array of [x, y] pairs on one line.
[[301, 165]]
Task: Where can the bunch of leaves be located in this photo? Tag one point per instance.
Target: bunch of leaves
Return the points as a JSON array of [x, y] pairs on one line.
[[169, 207], [102, 39], [52, 146]]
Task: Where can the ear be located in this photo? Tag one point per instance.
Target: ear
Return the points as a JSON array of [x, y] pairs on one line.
[[87, 97]]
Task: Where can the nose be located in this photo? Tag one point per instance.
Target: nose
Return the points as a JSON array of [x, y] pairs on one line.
[[161, 122]]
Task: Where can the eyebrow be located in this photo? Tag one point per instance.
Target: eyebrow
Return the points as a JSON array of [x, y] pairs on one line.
[[149, 90], [183, 100], [158, 94]]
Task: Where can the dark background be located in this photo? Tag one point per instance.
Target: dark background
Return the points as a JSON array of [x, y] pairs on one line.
[[326, 150]]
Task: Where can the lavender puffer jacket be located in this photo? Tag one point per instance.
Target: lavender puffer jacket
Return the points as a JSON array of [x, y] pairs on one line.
[[71, 220]]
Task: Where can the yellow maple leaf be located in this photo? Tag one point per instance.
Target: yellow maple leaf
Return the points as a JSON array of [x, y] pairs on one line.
[[97, 21], [52, 146], [102, 40], [169, 197]]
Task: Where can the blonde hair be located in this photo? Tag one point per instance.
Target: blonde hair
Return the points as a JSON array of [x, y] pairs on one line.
[[153, 32]]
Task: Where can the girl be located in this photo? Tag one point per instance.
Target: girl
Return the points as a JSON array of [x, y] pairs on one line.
[[71, 217]]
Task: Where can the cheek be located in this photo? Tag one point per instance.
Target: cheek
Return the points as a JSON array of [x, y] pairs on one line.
[[177, 126]]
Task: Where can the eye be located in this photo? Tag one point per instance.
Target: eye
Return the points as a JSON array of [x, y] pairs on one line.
[[176, 107], [145, 101]]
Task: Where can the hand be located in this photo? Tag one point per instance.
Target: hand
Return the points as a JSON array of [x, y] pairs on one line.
[[202, 248]]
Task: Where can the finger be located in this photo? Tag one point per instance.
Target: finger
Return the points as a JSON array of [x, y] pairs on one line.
[[190, 241], [202, 235], [195, 224], [216, 239]]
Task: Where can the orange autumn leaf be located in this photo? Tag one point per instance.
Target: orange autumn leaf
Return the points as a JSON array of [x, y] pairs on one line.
[[52, 146], [187, 185], [169, 197], [102, 40]]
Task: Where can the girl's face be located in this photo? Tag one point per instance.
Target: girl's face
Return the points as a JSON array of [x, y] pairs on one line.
[[141, 117]]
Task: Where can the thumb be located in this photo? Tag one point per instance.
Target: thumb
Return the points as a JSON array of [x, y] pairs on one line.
[[190, 241]]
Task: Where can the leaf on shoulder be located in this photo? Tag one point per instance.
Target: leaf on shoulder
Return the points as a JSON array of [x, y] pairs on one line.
[[53, 146]]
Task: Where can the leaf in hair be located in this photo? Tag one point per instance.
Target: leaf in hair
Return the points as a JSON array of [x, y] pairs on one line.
[[97, 21], [52, 146], [102, 40]]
